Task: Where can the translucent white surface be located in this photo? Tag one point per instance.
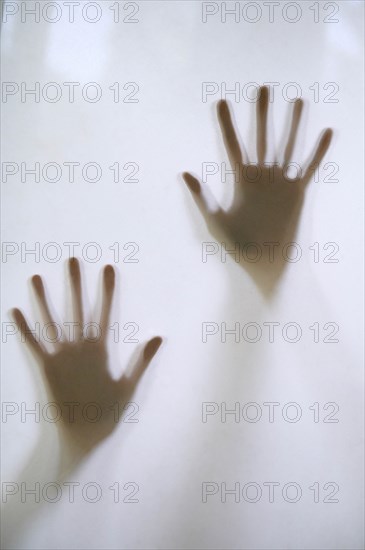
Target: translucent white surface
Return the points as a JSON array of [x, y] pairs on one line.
[[169, 53]]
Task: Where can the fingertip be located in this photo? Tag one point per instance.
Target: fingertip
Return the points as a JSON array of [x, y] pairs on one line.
[[298, 104], [109, 271], [327, 137], [15, 311], [222, 106], [157, 339], [264, 93], [152, 347], [191, 182], [17, 315], [109, 275], [73, 263], [37, 283], [75, 270]]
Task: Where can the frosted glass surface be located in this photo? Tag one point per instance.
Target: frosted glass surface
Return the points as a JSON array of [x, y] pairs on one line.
[[160, 67]]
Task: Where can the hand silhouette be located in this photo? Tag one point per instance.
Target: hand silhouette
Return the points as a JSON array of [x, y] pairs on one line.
[[266, 203], [76, 372]]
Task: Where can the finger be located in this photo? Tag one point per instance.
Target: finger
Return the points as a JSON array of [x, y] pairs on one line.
[[146, 357], [296, 116], [108, 291], [52, 329], [76, 291], [324, 143], [27, 335], [202, 197], [261, 121], [229, 135]]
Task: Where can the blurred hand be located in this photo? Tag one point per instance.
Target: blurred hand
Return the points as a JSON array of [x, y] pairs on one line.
[[76, 371], [266, 203]]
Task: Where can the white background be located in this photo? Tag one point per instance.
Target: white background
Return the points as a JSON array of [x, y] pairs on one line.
[[169, 53]]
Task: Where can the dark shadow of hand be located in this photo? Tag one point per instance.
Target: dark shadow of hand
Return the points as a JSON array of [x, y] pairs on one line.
[[76, 372], [266, 206]]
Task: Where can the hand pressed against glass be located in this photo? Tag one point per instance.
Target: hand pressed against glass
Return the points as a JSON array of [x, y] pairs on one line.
[[267, 203], [76, 371]]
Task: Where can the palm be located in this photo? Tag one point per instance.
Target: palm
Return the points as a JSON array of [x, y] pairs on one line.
[[264, 211], [79, 380]]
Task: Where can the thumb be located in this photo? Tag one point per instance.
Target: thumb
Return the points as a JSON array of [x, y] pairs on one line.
[[144, 359]]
